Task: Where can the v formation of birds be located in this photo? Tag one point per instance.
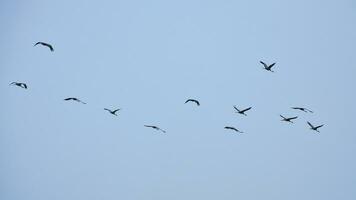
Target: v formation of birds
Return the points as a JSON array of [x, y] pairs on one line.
[[242, 111]]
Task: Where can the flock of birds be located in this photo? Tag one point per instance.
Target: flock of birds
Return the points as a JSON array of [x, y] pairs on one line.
[[237, 110]]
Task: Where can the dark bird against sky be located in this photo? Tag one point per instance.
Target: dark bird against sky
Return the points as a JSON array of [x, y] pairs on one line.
[[315, 128], [268, 67], [288, 119], [45, 44], [193, 100], [233, 128], [22, 85], [302, 109], [74, 99], [112, 111], [155, 127], [242, 112]]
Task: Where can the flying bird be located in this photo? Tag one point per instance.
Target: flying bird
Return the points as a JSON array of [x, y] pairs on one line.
[[193, 100], [315, 128], [155, 127], [233, 128], [268, 67], [242, 111], [22, 85], [45, 44], [112, 111], [74, 99], [302, 109], [288, 119]]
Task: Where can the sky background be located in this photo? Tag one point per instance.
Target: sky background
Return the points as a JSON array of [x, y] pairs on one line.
[[148, 57]]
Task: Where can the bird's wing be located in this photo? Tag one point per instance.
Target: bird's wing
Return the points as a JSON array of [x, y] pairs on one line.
[[116, 110], [149, 126], [310, 125], [66, 99], [50, 47], [264, 64], [197, 102], [282, 116], [236, 109], [24, 85], [107, 109], [246, 109], [271, 65], [187, 100], [309, 110], [319, 126], [37, 43], [293, 118]]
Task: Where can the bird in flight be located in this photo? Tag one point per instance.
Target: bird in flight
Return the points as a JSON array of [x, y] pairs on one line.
[[155, 127], [242, 111], [302, 109], [288, 119], [22, 85], [193, 100], [112, 111], [233, 128], [268, 67], [315, 128], [74, 99], [45, 44]]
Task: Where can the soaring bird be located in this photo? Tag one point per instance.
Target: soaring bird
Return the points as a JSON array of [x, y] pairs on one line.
[[288, 119], [302, 109], [268, 67], [45, 44], [112, 111], [22, 85], [193, 100], [233, 128], [74, 99], [155, 127], [315, 128], [242, 111]]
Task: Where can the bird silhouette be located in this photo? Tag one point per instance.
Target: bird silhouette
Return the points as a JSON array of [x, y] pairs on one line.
[[315, 128], [302, 109], [155, 127], [22, 85], [268, 67], [233, 128], [288, 119], [45, 44], [242, 111], [112, 111], [193, 100], [74, 99]]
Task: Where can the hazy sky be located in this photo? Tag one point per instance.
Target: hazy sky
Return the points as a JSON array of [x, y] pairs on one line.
[[148, 57]]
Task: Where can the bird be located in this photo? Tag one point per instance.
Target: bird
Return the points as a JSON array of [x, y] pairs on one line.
[[74, 99], [288, 119], [155, 127], [233, 128], [193, 100], [45, 44], [302, 109], [242, 111], [315, 128], [22, 85], [112, 111], [268, 67]]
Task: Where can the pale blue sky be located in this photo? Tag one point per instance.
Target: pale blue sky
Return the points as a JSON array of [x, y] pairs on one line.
[[148, 57]]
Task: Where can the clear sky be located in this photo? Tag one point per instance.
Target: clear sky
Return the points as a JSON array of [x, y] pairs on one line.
[[148, 57]]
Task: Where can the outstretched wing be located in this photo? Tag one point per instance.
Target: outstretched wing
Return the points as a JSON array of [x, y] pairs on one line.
[[49, 46], [264, 64], [310, 125], [246, 109], [291, 118], [269, 67], [236, 109], [319, 126], [282, 117], [116, 110]]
